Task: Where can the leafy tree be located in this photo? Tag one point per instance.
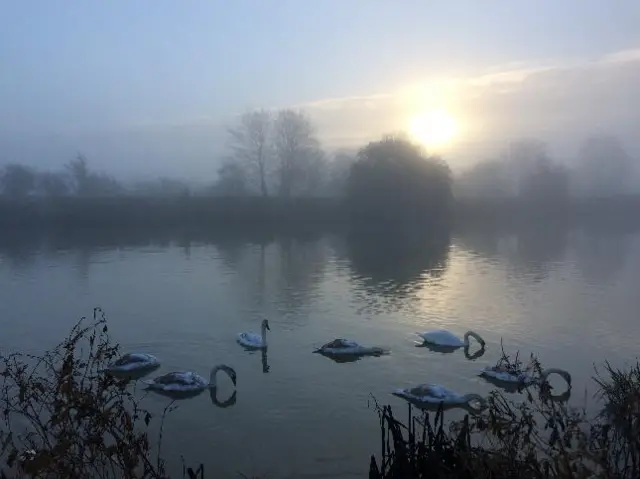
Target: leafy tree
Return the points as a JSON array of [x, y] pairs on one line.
[[17, 181], [52, 184], [338, 169], [87, 183], [539, 178], [394, 181], [232, 180], [486, 179], [605, 167]]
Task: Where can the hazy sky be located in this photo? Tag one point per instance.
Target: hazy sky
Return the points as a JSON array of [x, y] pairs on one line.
[[146, 85]]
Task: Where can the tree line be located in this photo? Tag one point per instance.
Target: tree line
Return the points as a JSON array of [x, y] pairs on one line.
[[277, 155], [527, 170]]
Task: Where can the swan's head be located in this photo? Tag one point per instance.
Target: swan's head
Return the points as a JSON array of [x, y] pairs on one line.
[[476, 402], [265, 324]]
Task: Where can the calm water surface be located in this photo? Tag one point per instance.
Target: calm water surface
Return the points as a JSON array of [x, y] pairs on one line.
[[571, 297]]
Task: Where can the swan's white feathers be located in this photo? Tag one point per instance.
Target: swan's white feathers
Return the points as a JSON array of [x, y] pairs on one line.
[[430, 393], [178, 381], [501, 374], [133, 361], [442, 337], [250, 339]]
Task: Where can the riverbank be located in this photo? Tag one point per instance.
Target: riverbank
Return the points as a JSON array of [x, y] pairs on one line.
[[276, 214]]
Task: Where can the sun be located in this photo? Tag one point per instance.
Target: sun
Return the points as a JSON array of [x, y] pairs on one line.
[[434, 129]]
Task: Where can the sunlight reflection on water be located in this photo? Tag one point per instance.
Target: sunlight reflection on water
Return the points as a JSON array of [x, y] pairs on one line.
[[308, 415]]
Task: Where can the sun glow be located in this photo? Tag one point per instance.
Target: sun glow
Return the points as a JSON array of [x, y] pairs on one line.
[[434, 129]]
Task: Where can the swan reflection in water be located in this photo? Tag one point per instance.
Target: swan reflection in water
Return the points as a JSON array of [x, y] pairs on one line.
[[185, 385], [513, 381], [265, 364], [347, 351], [451, 349]]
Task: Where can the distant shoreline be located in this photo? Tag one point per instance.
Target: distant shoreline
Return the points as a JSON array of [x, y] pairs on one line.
[[251, 213]]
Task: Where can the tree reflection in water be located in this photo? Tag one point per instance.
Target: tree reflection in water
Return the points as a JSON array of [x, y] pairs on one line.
[[396, 265]]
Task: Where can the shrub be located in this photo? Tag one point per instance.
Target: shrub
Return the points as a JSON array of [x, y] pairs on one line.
[[63, 417], [540, 437]]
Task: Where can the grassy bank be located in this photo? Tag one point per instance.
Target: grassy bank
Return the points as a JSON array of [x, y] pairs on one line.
[[277, 214], [63, 417], [183, 212]]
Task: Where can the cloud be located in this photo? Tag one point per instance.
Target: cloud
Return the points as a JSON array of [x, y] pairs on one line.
[[559, 102]]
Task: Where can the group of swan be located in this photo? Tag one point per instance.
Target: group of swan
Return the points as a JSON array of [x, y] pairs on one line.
[[190, 382]]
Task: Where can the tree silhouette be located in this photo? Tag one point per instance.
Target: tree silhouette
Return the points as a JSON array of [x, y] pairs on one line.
[[605, 168], [231, 180], [17, 181], [53, 184], [250, 145], [298, 151], [394, 182]]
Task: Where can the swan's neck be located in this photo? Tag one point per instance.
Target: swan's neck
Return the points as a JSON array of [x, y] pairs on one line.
[[264, 335], [471, 334], [565, 375]]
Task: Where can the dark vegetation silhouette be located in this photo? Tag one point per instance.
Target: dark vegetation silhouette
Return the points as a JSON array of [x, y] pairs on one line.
[[394, 183], [538, 437], [276, 173], [64, 417]]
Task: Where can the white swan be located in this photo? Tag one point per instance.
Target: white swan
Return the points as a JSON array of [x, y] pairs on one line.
[[442, 337], [189, 381], [133, 362], [436, 394], [348, 347], [502, 374], [253, 340]]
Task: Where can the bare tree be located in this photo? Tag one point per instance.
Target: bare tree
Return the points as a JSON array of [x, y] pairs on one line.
[[250, 146], [79, 172], [297, 150], [17, 181]]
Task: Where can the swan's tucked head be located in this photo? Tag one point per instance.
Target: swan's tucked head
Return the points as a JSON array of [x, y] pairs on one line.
[[265, 324], [476, 398], [560, 372]]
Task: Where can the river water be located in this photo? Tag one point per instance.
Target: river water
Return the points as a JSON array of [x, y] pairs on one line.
[[570, 297]]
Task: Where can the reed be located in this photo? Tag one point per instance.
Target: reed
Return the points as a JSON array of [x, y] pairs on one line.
[[63, 417], [539, 437]]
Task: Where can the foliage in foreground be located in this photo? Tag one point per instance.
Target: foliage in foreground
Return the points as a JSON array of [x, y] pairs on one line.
[[540, 437], [63, 417]]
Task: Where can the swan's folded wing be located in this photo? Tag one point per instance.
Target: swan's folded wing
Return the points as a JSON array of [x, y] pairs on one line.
[[251, 337]]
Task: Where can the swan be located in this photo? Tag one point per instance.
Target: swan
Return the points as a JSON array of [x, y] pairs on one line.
[[502, 374], [133, 362], [253, 340], [436, 394], [442, 337], [348, 347], [188, 381]]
